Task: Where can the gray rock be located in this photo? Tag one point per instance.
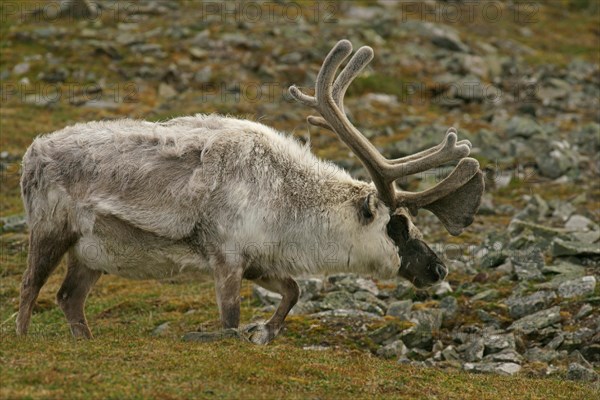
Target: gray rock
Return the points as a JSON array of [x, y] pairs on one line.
[[448, 40], [472, 351], [578, 372], [492, 259], [574, 340], [569, 248], [368, 297], [161, 329], [580, 223], [506, 355], [469, 88], [539, 320], [592, 352], [449, 307], [555, 342], [265, 296], [563, 210], [430, 319], [521, 306], [166, 91], [338, 300], [393, 350], [528, 266], [558, 160], [564, 268], [587, 237], [341, 313], [488, 318], [400, 309], [584, 311], [21, 68], [13, 223], [450, 354], [198, 53], [588, 138], [418, 354], [577, 357], [543, 236], [403, 290], [385, 333], [497, 342], [541, 207], [241, 40], [524, 127], [442, 36], [305, 307], [417, 336], [538, 354], [353, 283], [310, 288], [500, 368], [443, 289], [578, 287], [203, 75], [486, 295]]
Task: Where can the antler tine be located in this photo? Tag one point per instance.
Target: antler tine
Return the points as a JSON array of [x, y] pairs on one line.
[[357, 63], [433, 149], [464, 171], [328, 100], [336, 119], [330, 65]]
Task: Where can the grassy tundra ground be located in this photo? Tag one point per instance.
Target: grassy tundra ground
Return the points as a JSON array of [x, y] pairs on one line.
[[127, 359]]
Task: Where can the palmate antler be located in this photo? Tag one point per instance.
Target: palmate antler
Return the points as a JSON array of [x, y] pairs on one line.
[[454, 200]]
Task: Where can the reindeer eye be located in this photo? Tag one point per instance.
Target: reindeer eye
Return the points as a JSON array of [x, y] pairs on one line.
[[367, 212]]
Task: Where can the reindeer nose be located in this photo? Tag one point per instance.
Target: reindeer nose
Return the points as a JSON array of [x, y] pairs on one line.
[[440, 271]]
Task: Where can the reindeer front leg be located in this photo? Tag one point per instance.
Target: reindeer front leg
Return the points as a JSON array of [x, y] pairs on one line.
[[228, 282], [288, 289]]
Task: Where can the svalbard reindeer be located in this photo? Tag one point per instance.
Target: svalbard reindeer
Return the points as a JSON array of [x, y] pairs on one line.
[[231, 197]]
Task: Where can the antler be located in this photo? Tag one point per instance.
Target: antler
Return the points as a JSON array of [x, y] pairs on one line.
[[328, 101]]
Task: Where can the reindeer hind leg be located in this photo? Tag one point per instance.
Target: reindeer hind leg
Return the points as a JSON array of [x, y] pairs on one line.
[[73, 292], [45, 252]]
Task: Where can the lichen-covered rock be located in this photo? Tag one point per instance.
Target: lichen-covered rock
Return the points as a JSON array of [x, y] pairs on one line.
[[395, 349], [472, 350], [310, 288], [385, 333], [524, 127], [539, 320], [521, 306], [506, 355], [496, 342], [578, 372], [449, 307], [400, 309], [539, 354], [577, 287], [501, 368], [571, 248]]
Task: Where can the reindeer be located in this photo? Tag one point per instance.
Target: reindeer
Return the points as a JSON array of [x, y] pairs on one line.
[[206, 193]]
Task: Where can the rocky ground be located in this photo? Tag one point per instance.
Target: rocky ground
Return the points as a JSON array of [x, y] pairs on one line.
[[522, 294]]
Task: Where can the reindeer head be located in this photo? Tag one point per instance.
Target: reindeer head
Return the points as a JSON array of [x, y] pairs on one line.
[[454, 200]]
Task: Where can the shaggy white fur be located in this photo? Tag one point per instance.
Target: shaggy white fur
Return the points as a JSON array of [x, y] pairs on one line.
[[154, 200]]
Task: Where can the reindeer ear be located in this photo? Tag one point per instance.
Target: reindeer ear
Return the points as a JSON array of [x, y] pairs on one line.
[[457, 209]]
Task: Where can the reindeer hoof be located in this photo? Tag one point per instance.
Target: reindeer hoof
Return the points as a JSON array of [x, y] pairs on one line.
[[258, 333], [80, 331]]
